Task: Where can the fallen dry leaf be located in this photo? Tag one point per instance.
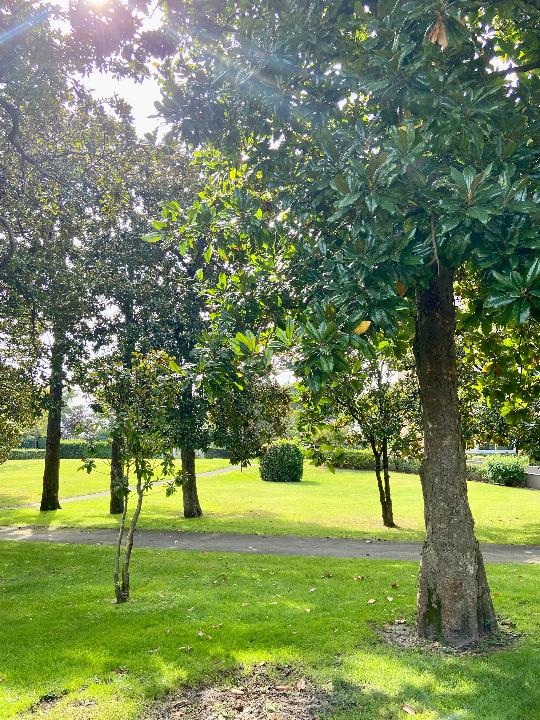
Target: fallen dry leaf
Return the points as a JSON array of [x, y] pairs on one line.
[[284, 688], [371, 601], [308, 610], [237, 691], [359, 577], [301, 684], [389, 598], [312, 589], [409, 709], [186, 648]]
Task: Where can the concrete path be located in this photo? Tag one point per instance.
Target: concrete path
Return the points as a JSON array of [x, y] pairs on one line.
[[263, 544], [106, 493]]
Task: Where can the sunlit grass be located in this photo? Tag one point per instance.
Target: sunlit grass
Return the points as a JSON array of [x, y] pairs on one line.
[[344, 504], [61, 635], [20, 480]]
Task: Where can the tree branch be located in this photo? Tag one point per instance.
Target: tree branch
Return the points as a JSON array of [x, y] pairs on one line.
[[527, 67], [12, 246]]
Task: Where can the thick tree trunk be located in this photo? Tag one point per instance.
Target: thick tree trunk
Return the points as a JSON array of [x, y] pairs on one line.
[[51, 472], [192, 507], [454, 602], [383, 487], [116, 504]]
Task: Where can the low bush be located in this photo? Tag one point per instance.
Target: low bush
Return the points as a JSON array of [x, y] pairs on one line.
[[476, 472], [282, 462], [504, 470]]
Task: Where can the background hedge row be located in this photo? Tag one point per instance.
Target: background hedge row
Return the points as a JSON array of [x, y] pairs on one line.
[[69, 450]]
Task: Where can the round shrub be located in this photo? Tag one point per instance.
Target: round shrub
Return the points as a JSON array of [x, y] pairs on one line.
[[282, 462], [509, 471]]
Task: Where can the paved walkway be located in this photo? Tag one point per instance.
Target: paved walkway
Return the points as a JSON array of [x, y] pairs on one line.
[[106, 493], [263, 544]]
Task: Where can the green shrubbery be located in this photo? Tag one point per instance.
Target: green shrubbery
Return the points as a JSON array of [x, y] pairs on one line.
[[69, 450], [505, 470], [214, 452], [363, 460], [76, 449], [282, 462], [26, 454]]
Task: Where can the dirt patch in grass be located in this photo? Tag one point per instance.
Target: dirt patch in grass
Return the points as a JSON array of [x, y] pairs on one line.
[[266, 693], [46, 703], [402, 635]]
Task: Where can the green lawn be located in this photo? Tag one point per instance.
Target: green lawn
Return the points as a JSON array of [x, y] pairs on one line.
[[20, 480], [61, 635], [344, 504]]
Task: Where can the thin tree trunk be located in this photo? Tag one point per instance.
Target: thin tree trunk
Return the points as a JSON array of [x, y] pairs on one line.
[[51, 472], [123, 595], [116, 500], [388, 514], [116, 504], [382, 495], [192, 506], [118, 591], [454, 602]]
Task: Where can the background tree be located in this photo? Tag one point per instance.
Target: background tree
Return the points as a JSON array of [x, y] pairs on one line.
[[367, 405]]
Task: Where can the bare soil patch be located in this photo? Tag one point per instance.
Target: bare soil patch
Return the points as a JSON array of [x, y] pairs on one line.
[[266, 693], [402, 635]]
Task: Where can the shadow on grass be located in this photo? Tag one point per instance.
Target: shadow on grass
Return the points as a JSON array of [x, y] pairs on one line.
[[195, 616]]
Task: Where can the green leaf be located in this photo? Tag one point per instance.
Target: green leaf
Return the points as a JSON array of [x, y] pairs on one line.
[[152, 237], [479, 213]]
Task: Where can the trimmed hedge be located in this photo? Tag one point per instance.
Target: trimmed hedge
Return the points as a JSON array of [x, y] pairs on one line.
[[508, 471], [212, 453], [364, 460], [69, 450], [353, 460], [282, 462], [76, 449], [26, 454]]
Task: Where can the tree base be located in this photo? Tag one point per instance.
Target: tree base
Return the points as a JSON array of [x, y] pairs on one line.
[[49, 504], [116, 505], [454, 603]]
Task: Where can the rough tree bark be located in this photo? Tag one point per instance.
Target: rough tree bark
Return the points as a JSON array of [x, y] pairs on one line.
[[381, 471], [192, 507], [116, 503], [51, 472], [454, 602]]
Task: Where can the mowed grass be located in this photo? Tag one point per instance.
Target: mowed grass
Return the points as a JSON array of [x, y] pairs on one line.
[[343, 504], [195, 615], [21, 480]]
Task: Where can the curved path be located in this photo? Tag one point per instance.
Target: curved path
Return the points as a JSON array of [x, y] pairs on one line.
[[262, 544], [106, 493]]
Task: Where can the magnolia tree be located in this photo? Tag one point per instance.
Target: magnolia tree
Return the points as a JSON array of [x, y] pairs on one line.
[[370, 406], [138, 399], [382, 155]]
